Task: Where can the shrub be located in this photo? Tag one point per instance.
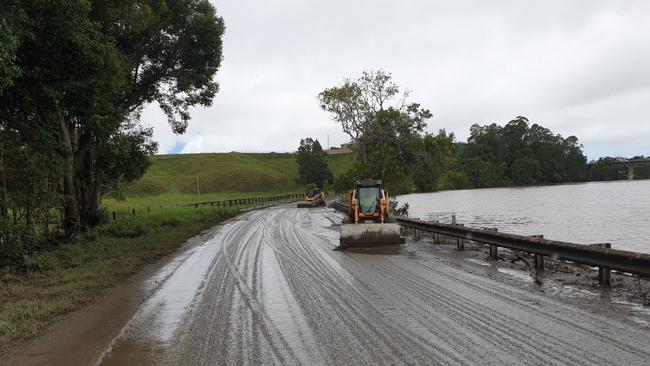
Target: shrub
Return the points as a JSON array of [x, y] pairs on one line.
[[126, 229], [15, 243]]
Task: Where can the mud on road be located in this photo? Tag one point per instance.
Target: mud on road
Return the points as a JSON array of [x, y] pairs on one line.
[[268, 289]]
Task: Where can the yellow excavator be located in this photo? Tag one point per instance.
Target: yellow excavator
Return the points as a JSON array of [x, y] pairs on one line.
[[368, 223], [314, 197]]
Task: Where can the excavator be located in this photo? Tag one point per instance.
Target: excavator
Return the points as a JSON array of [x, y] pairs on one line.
[[314, 197], [367, 223]]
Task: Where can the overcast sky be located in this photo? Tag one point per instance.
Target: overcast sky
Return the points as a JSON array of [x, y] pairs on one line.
[[577, 67]]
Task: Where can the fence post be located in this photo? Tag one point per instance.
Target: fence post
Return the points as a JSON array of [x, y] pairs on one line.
[[148, 209]]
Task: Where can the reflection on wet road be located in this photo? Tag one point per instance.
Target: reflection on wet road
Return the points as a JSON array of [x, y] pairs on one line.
[[269, 289]]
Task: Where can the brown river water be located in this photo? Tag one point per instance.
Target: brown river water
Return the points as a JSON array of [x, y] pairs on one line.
[[599, 212]]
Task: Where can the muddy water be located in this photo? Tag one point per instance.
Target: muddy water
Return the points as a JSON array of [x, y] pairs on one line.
[[610, 212], [269, 289]]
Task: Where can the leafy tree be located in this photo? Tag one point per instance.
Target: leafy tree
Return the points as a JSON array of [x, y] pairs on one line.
[[9, 29], [170, 51], [382, 124], [347, 180], [312, 166], [66, 93], [83, 71], [436, 159], [522, 154], [525, 171]]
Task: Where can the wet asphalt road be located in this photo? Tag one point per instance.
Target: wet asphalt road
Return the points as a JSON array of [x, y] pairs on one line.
[[269, 289]]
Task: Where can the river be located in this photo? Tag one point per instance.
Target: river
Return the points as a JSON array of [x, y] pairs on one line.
[[598, 212]]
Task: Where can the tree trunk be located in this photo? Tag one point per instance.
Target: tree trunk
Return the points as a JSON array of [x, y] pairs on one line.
[[4, 200], [99, 180], [70, 205]]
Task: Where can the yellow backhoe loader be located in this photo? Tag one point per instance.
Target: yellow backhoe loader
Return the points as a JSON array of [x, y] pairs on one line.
[[314, 197], [368, 223]]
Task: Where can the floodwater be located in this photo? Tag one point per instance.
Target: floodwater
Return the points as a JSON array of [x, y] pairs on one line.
[[607, 212], [268, 288]]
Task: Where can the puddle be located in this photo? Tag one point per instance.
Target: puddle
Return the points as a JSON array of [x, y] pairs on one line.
[[524, 276], [478, 261]]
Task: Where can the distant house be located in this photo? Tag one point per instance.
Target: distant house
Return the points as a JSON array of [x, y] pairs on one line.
[[344, 149]]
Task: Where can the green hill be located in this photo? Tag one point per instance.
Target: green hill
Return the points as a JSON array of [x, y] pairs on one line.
[[225, 173]]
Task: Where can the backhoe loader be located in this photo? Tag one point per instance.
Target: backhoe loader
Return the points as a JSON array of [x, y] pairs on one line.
[[314, 197], [367, 223]]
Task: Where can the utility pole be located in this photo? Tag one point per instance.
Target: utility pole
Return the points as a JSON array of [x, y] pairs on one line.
[[198, 192], [328, 142]]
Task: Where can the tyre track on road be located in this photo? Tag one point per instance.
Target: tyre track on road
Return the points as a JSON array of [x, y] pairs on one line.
[[276, 293]]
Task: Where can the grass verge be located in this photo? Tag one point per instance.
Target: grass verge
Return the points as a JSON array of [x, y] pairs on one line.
[[54, 282]]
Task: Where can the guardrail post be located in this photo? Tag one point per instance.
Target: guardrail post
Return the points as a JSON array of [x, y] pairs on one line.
[[460, 242], [604, 274], [494, 249], [539, 259], [494, 252]]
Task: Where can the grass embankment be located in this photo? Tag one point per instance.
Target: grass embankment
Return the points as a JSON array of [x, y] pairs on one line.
[[174, 176], [54, 282]]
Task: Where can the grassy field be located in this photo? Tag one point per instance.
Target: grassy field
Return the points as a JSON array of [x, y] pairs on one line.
[[224, 175]]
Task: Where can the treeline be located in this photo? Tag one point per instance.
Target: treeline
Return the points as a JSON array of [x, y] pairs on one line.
[[74, 77], [517, 153], [610, 168], [390, 143]]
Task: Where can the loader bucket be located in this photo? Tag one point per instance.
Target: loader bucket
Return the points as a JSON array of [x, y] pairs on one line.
[[370, 235], [305, 204]]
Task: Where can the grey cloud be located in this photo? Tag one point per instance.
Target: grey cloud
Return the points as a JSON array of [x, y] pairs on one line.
[[577, 67]]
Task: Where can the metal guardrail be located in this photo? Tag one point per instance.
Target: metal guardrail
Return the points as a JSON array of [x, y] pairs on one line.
[[339, 206], [596, 256], [249, 200]]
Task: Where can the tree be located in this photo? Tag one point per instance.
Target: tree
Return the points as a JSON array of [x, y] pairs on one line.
[[312, 166], [436, 161], [170, 50], [382, 124], [521, 153], [9, 29], [66, 94], [84, 72]]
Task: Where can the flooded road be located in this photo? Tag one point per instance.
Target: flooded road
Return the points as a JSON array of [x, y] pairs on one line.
[[597, 212], [269, 289]]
